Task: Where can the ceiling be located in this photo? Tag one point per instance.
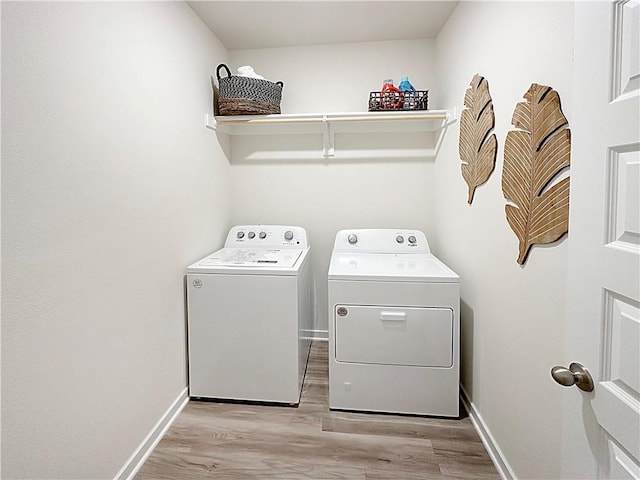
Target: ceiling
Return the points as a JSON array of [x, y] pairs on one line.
[[242, 24]]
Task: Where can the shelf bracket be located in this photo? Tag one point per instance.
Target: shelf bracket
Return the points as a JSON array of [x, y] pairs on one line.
[[452, 117], [328, 139], [210, 122]]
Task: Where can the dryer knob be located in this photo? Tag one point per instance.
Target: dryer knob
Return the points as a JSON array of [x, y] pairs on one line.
[[262, 234], [288, 235], [252, 234], [240, 234], [352, 238], [412, 239], [400, 239]]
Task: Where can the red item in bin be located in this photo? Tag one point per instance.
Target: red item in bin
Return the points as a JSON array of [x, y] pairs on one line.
[[390, 95]]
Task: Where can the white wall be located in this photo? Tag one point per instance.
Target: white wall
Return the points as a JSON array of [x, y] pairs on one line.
[[512, 316], [111, 185], [325, 196]]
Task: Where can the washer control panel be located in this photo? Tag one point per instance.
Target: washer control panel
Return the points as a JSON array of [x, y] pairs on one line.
[[381, 240], [267, 236]]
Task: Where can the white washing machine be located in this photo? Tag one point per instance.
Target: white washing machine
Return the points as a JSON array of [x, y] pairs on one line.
[[394, 325], [249, 316]]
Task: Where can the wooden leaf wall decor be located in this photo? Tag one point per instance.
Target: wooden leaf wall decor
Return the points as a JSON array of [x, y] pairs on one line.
[[477, 148], [534, 154]]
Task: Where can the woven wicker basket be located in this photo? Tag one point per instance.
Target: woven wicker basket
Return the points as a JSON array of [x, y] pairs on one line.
[[247, 96]]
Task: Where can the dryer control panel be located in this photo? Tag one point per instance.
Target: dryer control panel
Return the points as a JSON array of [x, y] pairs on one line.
[[381, 240], [267, 236]]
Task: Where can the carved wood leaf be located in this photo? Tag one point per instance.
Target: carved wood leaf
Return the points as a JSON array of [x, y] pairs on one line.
[[476, 147], [534, 155]]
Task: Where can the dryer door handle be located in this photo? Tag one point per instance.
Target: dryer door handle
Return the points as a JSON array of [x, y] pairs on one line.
[[393, 316]]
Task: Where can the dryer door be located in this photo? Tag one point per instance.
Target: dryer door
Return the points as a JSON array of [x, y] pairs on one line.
[[409, 336]]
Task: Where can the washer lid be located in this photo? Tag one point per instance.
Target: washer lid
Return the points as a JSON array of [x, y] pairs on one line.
[[249, 260], [390, 267]]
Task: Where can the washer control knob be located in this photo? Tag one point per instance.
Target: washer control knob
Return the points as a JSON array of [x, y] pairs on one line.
[[240, 234], [251, 234], [412, 239], [262, 235], [352, 238], [400, 239], [288, 235]]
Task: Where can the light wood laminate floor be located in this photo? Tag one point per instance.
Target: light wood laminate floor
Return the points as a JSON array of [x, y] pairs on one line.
[[243, 441]]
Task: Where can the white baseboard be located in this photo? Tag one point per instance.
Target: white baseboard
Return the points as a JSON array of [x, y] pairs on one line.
[[135, 462], [501, 464]]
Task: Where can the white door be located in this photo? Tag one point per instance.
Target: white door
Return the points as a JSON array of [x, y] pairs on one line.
[[602, 427]]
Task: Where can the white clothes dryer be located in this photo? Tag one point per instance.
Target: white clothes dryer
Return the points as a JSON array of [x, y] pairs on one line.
[[394, 325], [249, 316]]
